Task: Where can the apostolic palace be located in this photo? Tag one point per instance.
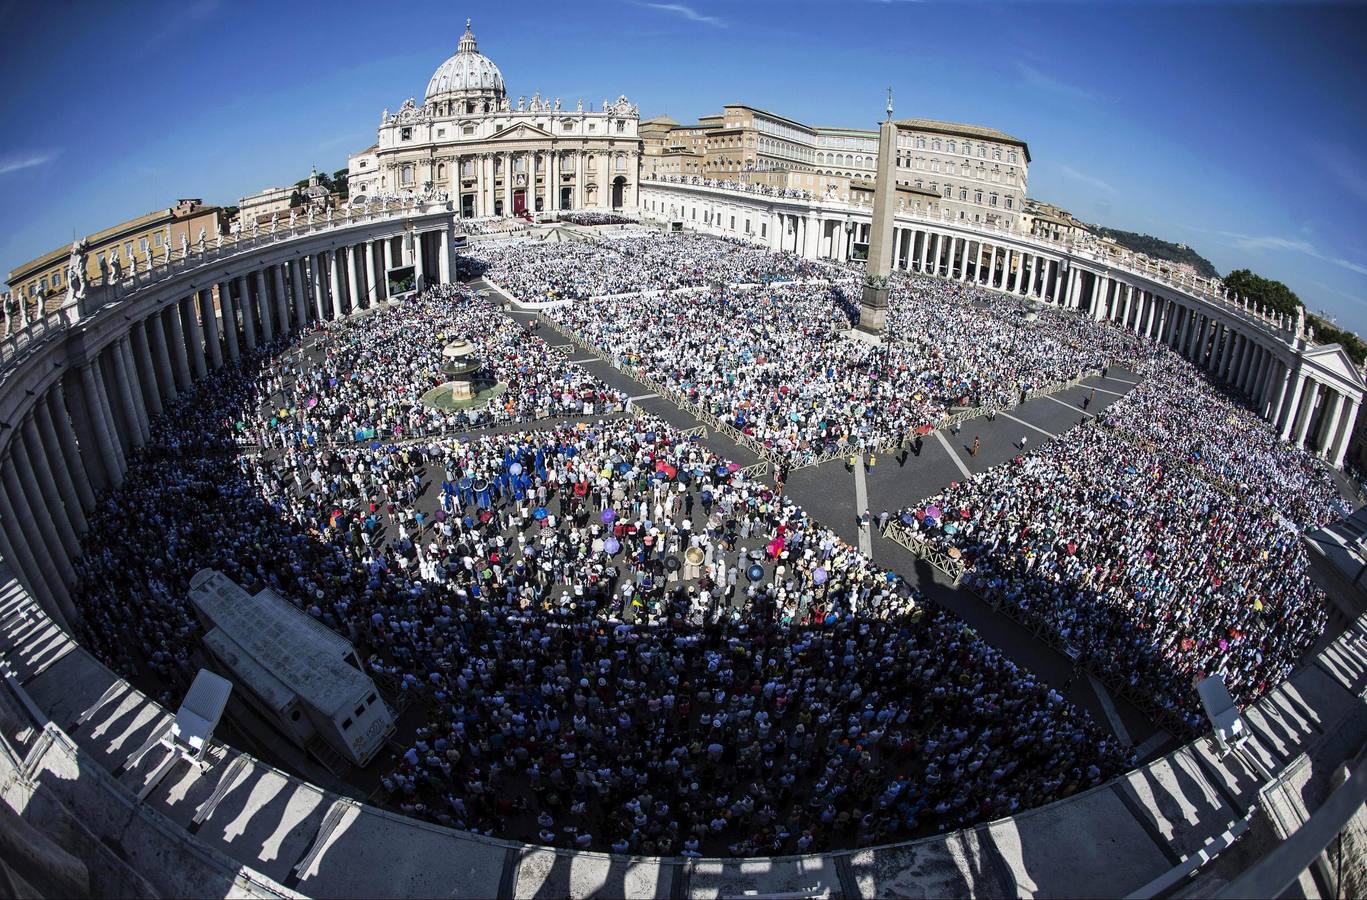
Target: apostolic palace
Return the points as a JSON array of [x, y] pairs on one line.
[[556, 502]]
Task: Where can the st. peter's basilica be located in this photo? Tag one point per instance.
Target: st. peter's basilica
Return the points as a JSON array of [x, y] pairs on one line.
[[493, 156]]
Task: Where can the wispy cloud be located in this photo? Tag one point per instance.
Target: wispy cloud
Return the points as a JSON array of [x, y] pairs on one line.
[[1343, 167], [184, 17], [686, 12], [20, 161], [1049, 84], [1254, 243], [1089, 180]]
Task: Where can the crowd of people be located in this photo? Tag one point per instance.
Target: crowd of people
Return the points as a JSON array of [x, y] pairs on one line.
[[607, 636], [365, 377], [535, 271], [730, 349], [1161, 541]]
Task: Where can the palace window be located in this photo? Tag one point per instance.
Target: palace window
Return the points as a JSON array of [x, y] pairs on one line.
[[949, 192], [467, 168], [963, 194], [142, 244], [1011, 156], [468, 130], [935, 144], [42, 282], [441, 171], [621, 163], [406, 175], [592, 128], [1008, 202], [997, 153], [977, 196], [621, 127], [920, 143], [519, 164], [156, 239], [406, 134], [992, 200], [441, 132], [982, 151], [128, 250], [952, 147]]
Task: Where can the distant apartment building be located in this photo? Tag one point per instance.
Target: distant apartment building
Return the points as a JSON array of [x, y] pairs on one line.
[[964, 172], [143, 238]]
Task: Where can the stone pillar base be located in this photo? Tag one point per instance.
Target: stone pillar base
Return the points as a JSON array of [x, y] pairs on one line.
[[873, 310]]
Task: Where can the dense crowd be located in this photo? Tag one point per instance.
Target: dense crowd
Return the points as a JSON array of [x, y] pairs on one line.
[[607, 637], [365, 377], [534, 271], [731, 350], [610, 637], [1161, 541]]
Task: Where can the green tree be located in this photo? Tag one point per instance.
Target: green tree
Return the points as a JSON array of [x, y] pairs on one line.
[[339, 183], [1325, 333], [1269, 293]]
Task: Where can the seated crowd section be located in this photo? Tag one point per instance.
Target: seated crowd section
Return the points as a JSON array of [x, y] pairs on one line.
[[603, 635]]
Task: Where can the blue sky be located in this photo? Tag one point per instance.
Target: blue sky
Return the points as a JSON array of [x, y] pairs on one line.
[[1238, 128]]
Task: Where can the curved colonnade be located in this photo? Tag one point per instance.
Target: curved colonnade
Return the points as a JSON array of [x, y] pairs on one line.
[[80, 387], [1311, 394]]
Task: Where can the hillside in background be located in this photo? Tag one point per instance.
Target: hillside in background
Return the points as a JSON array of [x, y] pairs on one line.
[[1158, 249]]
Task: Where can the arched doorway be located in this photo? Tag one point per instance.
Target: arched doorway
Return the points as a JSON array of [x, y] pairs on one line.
[[618, 188], [565, 194]]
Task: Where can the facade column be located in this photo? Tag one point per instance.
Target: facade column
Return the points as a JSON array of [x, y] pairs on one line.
[[210, 326], [263, 302], [1286, 417], [1327, 433], [444, 254], [1307, 412], [80, 472], [978, 269], [244, 296], [1344, 435], [925, 250]]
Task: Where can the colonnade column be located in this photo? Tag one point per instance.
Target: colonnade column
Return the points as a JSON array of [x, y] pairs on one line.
[[32, 459], [263, 300], [132, 410], [282, 308], [187, 309], [1286, 417], [248, 306], [75, 466], [50, 452], [161, 354], [209, 322], [299, 288], [33, 550], [319, 271], [334, 282], [145, 364], [228, 309], [353, 283], [35, 497]]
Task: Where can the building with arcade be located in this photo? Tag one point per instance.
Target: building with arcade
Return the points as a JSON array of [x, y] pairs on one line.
[[494, 156]]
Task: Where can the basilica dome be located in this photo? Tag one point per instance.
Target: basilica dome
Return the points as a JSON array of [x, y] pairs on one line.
[[467, 74]]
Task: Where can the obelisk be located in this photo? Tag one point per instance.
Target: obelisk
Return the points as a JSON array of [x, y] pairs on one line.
[[873, 305]]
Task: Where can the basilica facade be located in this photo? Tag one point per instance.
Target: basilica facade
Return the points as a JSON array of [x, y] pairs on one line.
[[493, 156]]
